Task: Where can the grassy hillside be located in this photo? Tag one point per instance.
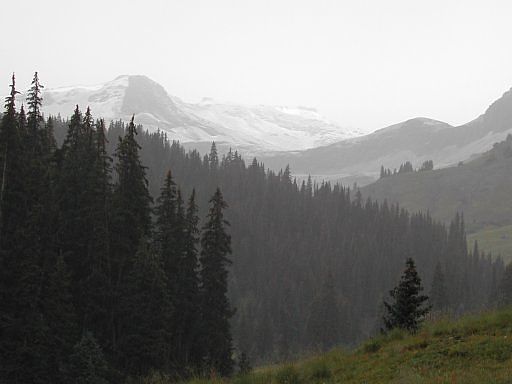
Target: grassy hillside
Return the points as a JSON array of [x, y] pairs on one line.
[[497, 240], [474, 349], [481, 189]]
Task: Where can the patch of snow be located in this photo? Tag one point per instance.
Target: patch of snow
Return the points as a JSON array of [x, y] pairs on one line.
[[252, 128], [105, 100]]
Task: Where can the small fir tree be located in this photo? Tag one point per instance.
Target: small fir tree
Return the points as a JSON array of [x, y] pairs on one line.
[[409, 307], [88, 365]]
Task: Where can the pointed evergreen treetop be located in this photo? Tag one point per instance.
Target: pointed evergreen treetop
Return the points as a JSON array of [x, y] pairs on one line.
[[213, 158], [408, 307], [215, 239], [87, 124], [35, 101], [166, 225], [215, 307], [131, 172], [166, 200], [73, 135], [131, 203], [10, 100]]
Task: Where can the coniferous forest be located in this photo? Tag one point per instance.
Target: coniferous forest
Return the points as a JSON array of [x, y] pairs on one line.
[[122, 253]]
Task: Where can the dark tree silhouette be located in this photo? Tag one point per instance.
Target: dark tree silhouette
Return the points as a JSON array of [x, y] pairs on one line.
[[408, 308], [215, 308]]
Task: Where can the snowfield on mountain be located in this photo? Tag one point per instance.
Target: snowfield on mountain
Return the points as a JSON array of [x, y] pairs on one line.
[[252, 129]]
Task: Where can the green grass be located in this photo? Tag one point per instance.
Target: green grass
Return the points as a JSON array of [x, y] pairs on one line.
[[474, 349], [497, 240]]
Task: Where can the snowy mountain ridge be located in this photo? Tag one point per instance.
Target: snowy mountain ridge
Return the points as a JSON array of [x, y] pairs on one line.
[[253, 129]]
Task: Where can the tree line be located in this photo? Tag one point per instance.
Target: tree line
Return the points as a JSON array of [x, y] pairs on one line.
[[427, 165], [98, 283], [312, 262]]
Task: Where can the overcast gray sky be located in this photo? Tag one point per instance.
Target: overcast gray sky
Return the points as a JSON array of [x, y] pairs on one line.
[[364, 64]]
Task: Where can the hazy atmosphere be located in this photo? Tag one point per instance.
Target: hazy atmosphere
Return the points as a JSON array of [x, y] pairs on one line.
[[256, 192], [363, 64]]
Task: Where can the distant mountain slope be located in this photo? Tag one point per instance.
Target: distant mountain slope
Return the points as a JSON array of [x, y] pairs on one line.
[[251, 129], [497, 240], [415, 140], [279, 136], [481, 189]]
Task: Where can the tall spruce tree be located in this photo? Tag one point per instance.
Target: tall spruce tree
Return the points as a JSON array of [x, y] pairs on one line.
[[75, 202], [408, 307], [35, 122], [71, 184], [166, 230], [11, 160], [37, 182], [24, 332], [97, 283], [58, 311], [187, 324], [215, 307], [131, 221], [167, 237], [213, 157], [12, 217], [35, 102], [131, 218]]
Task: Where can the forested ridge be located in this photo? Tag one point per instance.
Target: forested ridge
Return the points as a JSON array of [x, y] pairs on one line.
[[98, 282], [101, 263]]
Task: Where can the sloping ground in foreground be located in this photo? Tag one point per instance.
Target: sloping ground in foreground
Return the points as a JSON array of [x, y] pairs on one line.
[[476, 349]]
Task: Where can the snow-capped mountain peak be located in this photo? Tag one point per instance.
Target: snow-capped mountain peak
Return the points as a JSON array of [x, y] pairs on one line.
[[253, 129]]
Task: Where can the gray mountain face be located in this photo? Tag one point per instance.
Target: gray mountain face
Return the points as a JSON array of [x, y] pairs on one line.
[[250, 129], [416, 140], [279, 135]]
